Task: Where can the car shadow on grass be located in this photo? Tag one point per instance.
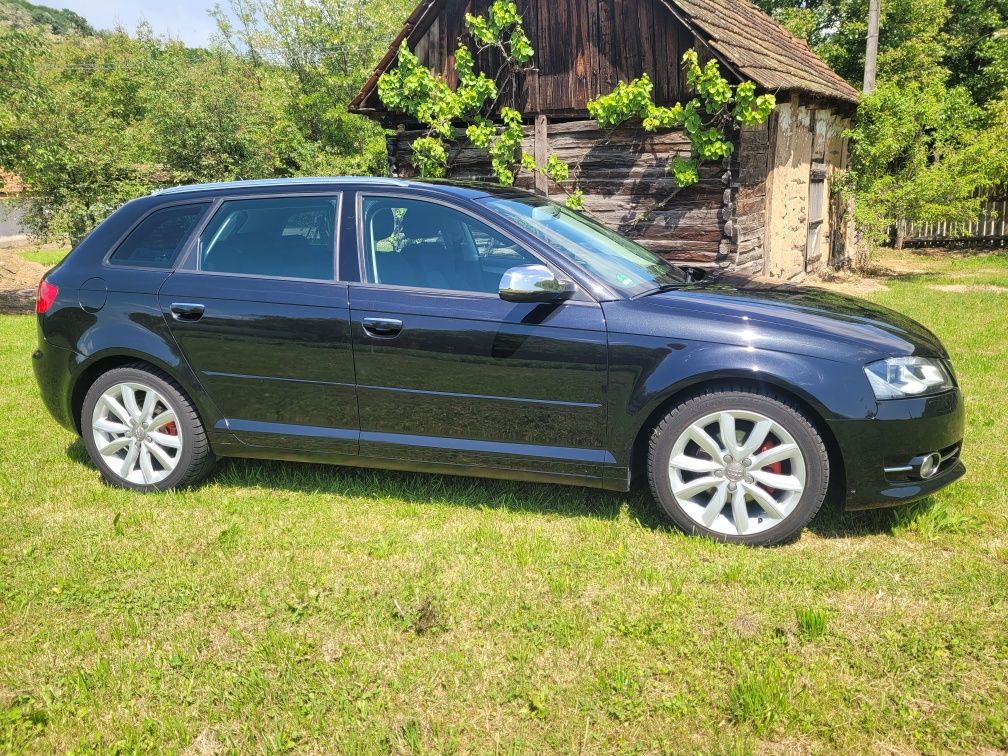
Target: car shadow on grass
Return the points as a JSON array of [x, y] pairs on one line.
[[484, 493]]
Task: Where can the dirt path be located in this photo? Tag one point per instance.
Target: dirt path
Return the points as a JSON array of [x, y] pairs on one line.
[[18, 281]]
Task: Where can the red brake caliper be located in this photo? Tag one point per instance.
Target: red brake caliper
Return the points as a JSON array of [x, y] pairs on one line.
[[171, 429], [777, 468]]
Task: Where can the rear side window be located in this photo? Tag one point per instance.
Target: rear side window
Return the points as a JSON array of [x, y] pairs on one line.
[[159, 238], [286, 237]]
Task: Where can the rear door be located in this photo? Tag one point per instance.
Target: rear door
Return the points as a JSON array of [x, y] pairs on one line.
[[259, 314], [447, 371]]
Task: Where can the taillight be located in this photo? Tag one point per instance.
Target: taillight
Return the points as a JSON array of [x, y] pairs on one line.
[[46, 296]]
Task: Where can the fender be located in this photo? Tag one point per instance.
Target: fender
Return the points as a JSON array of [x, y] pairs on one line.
[[149, 344], [647, 371]]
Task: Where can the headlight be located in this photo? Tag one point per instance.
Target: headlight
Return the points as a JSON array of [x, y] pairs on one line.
[[900, 377]]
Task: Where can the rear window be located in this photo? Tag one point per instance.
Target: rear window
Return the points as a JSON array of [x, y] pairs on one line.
[[159, 238], [282, 237]]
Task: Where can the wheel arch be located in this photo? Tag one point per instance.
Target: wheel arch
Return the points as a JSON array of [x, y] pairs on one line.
[[806, 404], [101, 363]]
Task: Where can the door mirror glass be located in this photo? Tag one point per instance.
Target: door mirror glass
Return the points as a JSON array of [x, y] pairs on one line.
[[533, 283]]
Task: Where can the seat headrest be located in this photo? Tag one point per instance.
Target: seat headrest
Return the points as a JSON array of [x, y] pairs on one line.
[[383, 223]]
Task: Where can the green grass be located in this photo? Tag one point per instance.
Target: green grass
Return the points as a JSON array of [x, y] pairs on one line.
[[811, 622], [47, 257], [308, 608], [761, 698]]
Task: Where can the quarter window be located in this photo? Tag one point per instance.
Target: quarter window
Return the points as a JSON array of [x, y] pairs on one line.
[[427, 245], [159, 238], [286, 237]]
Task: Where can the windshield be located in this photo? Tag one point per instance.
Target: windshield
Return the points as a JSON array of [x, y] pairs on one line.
[[625, 266]]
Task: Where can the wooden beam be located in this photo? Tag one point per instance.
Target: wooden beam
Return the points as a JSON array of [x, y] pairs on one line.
[[773, 127], [541, 153]]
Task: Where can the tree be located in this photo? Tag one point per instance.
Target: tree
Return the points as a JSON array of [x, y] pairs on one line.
[[21, 14], [914, 159], [329, 47], [926, 142], [88, 122]]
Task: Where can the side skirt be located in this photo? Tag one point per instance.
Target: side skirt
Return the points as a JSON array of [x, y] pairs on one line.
[[612, 478]]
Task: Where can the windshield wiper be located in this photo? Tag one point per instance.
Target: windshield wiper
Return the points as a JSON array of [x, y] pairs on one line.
[[662, 287]]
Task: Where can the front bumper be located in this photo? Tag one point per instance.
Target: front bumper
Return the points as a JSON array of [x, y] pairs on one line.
[[903, 431]]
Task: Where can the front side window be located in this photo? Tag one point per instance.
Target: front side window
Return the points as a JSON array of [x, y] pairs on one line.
[[428, 245], [159, 238], [624, 265], [285, 237]]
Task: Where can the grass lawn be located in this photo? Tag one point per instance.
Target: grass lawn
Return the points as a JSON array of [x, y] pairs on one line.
[[295, 607], [48, 257]]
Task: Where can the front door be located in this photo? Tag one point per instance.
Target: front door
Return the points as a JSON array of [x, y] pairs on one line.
[[448, 372], [259, 315]]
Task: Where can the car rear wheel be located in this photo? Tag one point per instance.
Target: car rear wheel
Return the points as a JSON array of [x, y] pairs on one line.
[[142, 432], [739, 466]]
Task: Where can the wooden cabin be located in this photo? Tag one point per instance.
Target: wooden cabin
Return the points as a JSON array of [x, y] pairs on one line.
[[767, 210]]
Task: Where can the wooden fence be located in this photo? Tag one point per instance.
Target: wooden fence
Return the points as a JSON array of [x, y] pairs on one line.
[[989, 228]]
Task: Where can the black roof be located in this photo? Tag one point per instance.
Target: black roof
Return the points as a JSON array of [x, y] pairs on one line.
[[461, 189]]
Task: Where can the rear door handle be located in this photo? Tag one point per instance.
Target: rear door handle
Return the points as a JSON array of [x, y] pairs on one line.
[[382, 327], [187, 310]]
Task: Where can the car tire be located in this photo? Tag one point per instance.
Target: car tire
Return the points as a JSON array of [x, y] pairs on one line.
[[765, 484], [143, 433]]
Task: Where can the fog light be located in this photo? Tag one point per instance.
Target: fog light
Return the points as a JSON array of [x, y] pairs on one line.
[[930, 465]]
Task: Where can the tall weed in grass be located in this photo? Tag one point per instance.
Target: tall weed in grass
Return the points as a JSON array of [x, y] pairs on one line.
[[760, 698], [811, 622]]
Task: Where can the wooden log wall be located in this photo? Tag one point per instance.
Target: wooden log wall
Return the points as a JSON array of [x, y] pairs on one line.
[[625, 178], [748, 198], [583, 48]]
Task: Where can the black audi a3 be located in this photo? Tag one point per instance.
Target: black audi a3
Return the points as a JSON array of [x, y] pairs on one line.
[[477, 330]]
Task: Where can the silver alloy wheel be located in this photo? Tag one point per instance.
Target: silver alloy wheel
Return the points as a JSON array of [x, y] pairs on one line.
[[737, 472], [136, 433]]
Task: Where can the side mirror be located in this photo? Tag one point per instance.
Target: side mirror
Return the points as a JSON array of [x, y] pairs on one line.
[[534, 283], [693, 274]]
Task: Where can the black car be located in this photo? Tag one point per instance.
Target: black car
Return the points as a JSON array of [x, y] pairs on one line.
[[476, 330]]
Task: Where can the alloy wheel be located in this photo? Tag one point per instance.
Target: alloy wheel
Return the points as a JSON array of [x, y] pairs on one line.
[[136, 433], [737, 472]]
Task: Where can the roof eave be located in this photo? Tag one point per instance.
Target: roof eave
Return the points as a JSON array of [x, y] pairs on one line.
[[415, 20]]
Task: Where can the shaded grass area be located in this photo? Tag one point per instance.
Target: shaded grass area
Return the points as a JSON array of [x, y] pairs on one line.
[[299, 607]]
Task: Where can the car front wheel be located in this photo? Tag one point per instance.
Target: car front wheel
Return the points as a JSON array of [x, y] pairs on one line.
[[142, 432], [740, 466]]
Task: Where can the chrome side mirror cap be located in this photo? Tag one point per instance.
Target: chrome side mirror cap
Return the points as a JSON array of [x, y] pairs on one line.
[[534, 283]]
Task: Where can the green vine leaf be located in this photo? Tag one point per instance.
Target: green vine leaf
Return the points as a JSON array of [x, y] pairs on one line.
[[430, 157], [575, 200], [707, 119], [414, 90]]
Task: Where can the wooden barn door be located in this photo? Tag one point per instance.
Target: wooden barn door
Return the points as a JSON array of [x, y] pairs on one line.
[[817, 205], [816, 216]]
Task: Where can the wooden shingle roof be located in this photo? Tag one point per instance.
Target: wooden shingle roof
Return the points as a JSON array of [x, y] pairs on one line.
[[761, 49]]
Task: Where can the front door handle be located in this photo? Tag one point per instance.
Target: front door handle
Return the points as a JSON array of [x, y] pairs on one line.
[[187, 311], [382, 327]]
